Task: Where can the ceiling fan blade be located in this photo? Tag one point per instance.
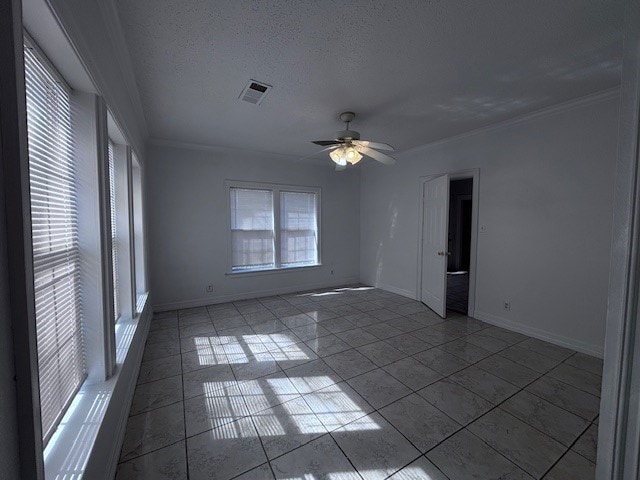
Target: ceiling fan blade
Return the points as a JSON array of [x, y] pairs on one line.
[[381, 157], [324, 143], [331, 147], [339, 168], [379, 146]]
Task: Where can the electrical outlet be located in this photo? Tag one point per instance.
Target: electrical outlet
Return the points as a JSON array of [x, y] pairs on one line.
[[331, 272], [507, 305], [483, 229], [210, 288]]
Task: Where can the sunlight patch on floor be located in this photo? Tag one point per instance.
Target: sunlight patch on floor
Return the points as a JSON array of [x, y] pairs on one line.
[[227, 350]]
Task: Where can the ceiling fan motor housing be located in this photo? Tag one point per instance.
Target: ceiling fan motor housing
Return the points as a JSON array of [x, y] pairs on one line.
[[347, 134]]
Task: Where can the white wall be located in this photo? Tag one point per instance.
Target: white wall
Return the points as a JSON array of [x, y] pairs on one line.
[[545, 199], [187, 218]]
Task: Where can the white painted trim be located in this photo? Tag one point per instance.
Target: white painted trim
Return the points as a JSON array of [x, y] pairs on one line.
[[271, 271], [91, 149], [201, 302], [68, 24], [473, 173], [590, 99], [276, 189], [567, 342], [104, 218], [105, 403], [130, 230], [619, 425], [108, 444]]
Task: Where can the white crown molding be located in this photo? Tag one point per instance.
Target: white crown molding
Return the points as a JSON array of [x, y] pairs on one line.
[[111, 18], [562, 107], [68, 23], [309, 160]]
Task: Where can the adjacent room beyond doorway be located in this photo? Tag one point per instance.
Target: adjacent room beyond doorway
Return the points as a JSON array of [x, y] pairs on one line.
[[459, 248]]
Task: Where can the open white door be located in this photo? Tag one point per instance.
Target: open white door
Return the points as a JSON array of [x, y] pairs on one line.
[[435, 226]]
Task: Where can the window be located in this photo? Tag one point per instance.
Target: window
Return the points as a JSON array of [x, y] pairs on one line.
[[252, 237], [299, 237], [114, 234], [54, 222], [256, 210]]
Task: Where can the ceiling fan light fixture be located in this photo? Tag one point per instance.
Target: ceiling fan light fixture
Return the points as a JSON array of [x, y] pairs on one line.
[[339, 156], [353, 156], [347, 148], [343, 155]]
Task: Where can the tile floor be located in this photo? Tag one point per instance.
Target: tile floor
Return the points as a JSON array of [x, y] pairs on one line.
[[353, 383]]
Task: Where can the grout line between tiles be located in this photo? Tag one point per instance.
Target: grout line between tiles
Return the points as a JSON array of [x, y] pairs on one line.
[[184, 419], [567, 451]]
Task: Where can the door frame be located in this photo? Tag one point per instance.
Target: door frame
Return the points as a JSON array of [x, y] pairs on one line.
[[473, 173], [619, 427]]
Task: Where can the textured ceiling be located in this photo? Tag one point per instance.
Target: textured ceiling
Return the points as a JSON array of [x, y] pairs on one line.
[[413, 71]]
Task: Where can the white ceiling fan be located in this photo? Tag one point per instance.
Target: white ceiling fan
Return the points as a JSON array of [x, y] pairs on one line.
[[347, 148]]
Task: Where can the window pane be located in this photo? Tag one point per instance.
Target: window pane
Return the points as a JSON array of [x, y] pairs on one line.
[[54, 224], [299, 229], [252, 235]]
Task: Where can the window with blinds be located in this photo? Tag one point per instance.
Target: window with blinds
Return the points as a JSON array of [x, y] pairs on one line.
[[252, 236], [256, 244], [298, 229], [52, 170], [114, 236]]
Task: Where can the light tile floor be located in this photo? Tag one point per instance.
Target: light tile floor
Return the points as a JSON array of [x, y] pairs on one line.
[[355, 382]]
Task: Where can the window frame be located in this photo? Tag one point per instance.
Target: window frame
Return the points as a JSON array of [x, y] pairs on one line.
[[77, 274], [140, 288], [93, 410], [276, 189], [113, 213]]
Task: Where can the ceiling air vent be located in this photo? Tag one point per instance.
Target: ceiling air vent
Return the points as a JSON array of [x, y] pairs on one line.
[[255, 92]]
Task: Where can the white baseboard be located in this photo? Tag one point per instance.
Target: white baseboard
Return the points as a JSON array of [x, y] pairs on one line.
[[399, 291], [200, 302], [572, 343]]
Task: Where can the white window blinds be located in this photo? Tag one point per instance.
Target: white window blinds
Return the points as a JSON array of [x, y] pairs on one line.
[[114, 236], [252, 237], [298, 229], [61, 363]]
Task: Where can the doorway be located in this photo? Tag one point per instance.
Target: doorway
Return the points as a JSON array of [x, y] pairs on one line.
[[448, 238], [459, 244]]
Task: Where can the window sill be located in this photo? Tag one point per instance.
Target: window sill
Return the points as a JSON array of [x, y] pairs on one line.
[[270, 271], [75, 441]]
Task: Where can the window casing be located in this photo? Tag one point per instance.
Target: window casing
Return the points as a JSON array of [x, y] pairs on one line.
[[273, 227], [114, 233], [56, 255], [140, 277]]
